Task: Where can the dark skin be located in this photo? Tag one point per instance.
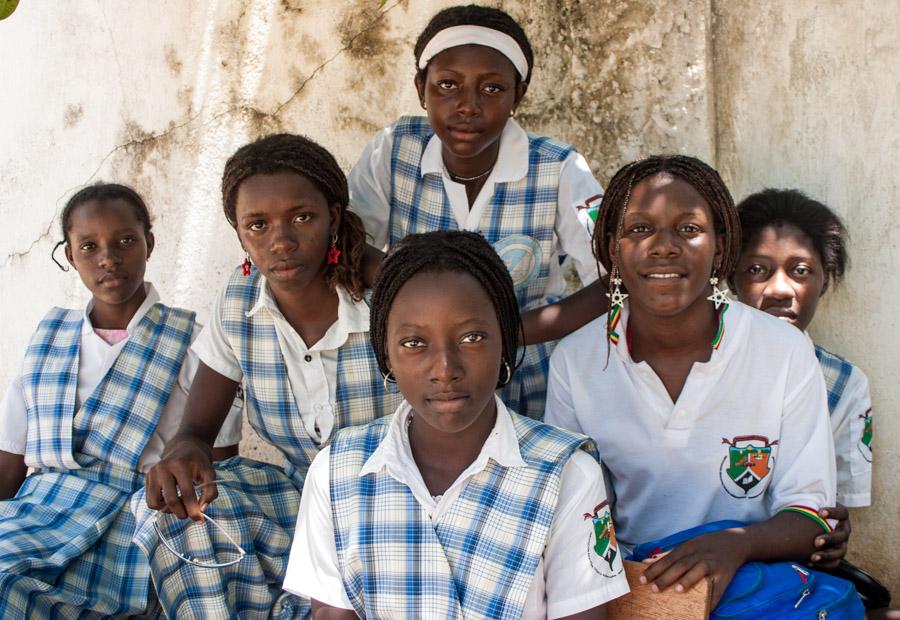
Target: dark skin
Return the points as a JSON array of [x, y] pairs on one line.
[[107, 245], [285, 223], [444, 346], [469, 93], [666, 254], [780, 272]]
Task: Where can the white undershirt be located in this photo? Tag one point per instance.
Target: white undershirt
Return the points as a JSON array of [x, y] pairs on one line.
[[312, 370], [370, 191], [565, 583], [96, 357]]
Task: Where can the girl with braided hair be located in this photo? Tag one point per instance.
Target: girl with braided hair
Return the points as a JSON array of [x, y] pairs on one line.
[[468, 165], [454, 507], [723, 406], [291, 328]]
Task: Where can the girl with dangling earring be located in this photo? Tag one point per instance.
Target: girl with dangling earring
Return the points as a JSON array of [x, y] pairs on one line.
[[455, 506], [291, 327], [704, 409], [100, 394], [468, 165]]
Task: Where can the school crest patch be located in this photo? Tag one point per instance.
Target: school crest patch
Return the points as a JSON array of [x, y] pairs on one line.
[[748, 462], [865, 441], [602, 547], [523, 258]]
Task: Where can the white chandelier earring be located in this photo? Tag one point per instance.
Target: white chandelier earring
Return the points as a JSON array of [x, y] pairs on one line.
[[617, 297], [719, 296]]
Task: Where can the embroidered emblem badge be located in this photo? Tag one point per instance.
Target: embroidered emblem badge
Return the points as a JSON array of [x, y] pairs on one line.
[[865, 441], [523, 258], [602, 542], [748, 462]]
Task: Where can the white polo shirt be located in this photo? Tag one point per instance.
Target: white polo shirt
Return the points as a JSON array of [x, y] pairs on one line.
[[95, 359], [748, 436], [370, 192], [566, 581], [312, 371]]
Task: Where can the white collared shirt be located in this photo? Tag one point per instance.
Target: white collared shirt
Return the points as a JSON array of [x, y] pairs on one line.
[[312, 370], [96, 357], [669, 463], [565, 582], [370, 191]]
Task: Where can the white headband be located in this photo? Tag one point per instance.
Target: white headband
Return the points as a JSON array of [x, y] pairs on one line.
[[475, 35]]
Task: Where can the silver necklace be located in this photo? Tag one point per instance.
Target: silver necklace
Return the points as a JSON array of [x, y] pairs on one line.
[[459, 179]]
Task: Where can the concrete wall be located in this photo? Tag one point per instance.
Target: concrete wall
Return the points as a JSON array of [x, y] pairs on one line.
[[158, 94]]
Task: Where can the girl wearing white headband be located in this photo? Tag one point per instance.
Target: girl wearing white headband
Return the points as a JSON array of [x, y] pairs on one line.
[[468, 165]]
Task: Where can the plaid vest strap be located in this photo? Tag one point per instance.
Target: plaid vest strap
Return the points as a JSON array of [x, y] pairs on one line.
[[477, 561], [115, 423], [519, 222], [836, 371], [271, 407]]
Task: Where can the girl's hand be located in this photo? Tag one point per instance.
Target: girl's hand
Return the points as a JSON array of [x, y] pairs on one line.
[[717, 555], [186, 462], [832, 547]]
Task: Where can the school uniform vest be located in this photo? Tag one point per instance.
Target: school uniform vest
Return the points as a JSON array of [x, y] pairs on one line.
[[836, 371], [271, 408], [519, 223], [477, 561], [113, 426]]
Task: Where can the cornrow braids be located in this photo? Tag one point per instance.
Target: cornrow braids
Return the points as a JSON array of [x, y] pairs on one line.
[[699, 175], [292, 153], [438, 252], [101, 192], [474, 15], [776, 207]]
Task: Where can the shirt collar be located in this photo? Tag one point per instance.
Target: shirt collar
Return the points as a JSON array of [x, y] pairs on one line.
[[512, 159], [151, 297], [353, 316], [395, 456]]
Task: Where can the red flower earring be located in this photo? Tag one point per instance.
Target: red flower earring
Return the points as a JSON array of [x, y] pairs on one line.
[[333, 252], [246, 265]]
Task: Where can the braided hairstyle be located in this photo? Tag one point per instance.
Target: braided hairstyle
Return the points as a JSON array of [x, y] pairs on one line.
[[697, 174], [474, 15], [291, 153], [777, 207], [101, 192], [440, 252]]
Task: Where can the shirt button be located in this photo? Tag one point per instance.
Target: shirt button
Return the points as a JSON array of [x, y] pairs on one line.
[[307, 357]]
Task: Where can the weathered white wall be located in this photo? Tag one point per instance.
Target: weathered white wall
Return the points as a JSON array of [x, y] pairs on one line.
[[159, 94]]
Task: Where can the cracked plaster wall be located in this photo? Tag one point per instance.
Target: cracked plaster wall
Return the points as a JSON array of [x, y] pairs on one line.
[[160, 94]]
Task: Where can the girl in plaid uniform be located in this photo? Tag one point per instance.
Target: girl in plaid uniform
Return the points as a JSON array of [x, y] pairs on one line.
[[291, 326], [469, 166], [100, 393], [455, 507], [758, 450]]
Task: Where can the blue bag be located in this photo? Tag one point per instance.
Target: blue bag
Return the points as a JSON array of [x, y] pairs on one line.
[[780, 590]]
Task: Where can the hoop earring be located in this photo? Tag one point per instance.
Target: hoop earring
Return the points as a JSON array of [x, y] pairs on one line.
[[53, 255], [506, 367], [246, 265], [617, 297], [388, 378], [333, 253], [719, 296]]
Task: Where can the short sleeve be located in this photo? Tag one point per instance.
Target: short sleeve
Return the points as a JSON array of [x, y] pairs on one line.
[[804, 472], [583, 564], [369, 182], [313, 570], [579, 195], [852, 425], [213, 348], [13, 419], [559, 409]]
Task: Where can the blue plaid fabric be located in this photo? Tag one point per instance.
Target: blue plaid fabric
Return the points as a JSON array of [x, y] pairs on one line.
[[65, 539], [836, 371], [519, 223], [261, 502], [477, 561]]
